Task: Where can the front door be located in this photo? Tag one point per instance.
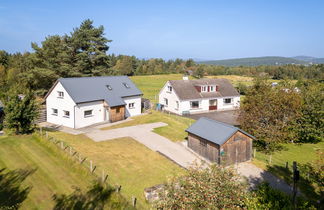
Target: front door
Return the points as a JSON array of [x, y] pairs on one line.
[[213, 104]]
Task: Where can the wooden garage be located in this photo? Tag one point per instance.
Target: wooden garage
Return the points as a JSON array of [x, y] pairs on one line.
[[219, 142]]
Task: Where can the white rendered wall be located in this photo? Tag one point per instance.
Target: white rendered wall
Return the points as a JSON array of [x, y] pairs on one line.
[[137, 110], [172, 100], [222, 106], [98, 114], [66, 103]]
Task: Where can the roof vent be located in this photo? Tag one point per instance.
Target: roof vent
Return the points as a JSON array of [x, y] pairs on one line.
[[109, 87], [126, 85]]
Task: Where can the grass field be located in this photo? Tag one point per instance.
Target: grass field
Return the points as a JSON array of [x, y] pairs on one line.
[[127, 163], [55, 173], [151, 85], [175, 130], [303, 154]]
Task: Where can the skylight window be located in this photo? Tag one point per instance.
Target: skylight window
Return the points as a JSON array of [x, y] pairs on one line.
[[126, 85], [109, 87]]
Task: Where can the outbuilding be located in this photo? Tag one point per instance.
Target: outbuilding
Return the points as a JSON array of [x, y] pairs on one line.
[[219, 142]]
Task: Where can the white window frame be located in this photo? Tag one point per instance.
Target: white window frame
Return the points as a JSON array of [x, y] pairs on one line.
[[54, 112], [169, 89], [230, 103], [212, 88], [88, 115], [204, 88], [191, 107], [131, 105], [166, 102], [60, 94], [66, 114]]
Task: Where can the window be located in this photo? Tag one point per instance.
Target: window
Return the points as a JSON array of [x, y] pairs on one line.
[[131, 105], [54, 112], [203, 88], [194, 104], [88, 113], [126, 85], [169, 89], [212, 88], [166, 102], [203, 143], [118, 110], [66, 114], [109, 87], [60, 94], [227, 100], [177, 105]]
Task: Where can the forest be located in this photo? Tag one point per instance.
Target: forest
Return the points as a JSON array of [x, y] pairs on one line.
[[85, 52]]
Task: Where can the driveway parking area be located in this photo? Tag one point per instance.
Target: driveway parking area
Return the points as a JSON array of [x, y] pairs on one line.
[[229, 117]]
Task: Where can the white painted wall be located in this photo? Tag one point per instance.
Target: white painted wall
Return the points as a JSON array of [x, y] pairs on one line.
[[137, 110], [98, 114], [172, 98], [184, 106], [66, 103]]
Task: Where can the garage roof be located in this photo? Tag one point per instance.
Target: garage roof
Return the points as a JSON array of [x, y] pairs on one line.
[[214, 131]]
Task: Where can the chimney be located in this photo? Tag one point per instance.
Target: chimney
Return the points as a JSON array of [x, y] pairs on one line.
[[185, 77]]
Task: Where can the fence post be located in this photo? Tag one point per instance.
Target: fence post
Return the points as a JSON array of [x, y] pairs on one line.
[[46, 133], [91, 166], [41, 131], [62, 145], [103, 176], [270, 159], [254, 153], [134, 201], [80, 158], [71, 151]]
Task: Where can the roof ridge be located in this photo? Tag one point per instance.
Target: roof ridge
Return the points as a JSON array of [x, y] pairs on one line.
[[222, 123], [91, 77]]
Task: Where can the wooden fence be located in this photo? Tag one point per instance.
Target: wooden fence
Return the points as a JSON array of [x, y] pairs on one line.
[[84, 161]]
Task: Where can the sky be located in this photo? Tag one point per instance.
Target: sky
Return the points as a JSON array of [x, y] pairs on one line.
[[174, 29]]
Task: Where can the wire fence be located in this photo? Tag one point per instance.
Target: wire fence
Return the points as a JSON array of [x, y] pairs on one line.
[[84, 161]]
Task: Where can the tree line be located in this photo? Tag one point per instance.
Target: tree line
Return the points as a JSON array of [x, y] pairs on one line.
[[84, 52]]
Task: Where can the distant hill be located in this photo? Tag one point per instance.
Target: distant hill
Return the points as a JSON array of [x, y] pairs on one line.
[[255, 61], [309, 59]]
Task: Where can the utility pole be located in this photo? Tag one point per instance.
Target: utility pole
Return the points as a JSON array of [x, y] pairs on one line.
[[295, 180]]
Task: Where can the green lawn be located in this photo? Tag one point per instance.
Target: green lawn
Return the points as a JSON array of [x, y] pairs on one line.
[[55, 173], [126, 161], [175, 130], [303, 154]]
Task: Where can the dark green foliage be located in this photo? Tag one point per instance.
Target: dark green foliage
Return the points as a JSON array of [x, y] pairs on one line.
[[242, 88], [99, 196], [199, 72], [310, 126], [12, 193], [266, 197], [269, 112], [20, 112]]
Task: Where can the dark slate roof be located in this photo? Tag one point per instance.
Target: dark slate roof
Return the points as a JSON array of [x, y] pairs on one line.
[[213, 130], [185, 89], [85, 89]]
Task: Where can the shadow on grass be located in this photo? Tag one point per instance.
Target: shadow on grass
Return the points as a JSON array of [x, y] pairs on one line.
[[98, 196], [12, 193], [306, 188]]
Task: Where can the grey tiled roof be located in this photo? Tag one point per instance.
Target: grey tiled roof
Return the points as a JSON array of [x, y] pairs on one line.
[[85, 89], [213, 130], [185, 89]]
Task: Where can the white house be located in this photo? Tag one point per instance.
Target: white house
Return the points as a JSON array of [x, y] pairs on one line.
[[194, 96], [83, 101]]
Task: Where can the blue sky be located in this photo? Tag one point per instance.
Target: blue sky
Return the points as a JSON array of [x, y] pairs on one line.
[[171, 29]]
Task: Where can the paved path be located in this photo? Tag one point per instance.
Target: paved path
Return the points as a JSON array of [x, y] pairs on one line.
[[144, 135], [256, 175]]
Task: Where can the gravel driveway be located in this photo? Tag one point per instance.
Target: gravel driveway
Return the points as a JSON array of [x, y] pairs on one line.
[[144, 135], [229, 117]]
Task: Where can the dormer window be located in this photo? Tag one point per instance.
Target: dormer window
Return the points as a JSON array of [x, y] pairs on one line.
[[126, 85], [109, 87], [212, 88], [60, 94], [169, 89], [203, 88]]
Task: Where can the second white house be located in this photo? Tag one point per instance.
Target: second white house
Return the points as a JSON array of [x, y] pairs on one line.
[[201, 95]]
